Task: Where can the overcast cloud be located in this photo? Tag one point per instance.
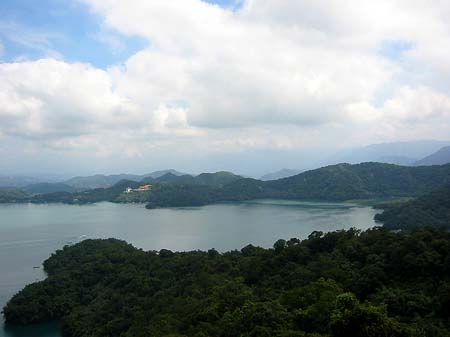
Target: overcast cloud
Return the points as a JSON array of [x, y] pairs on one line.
[[269, 75]]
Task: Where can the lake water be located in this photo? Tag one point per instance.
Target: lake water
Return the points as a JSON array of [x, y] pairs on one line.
[[30, 233]]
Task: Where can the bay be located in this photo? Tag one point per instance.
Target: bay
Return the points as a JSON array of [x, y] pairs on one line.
[[30, 233]]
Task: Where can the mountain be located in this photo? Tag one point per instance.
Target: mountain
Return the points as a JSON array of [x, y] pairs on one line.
[[44, 188], [399, 153], [432, 209], [345, 181], [157, 174], [339, 182], [17, 181], [170, 178], [217, 179], [283, 173], [12, 195], [440, 157], [104, 181]]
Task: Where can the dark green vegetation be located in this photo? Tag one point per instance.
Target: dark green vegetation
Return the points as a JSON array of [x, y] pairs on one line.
[[432, 209], [331, 183], [105, 181], [12, 195], [345, 283]]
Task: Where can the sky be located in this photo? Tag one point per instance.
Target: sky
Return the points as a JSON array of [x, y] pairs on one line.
[[114, 86]]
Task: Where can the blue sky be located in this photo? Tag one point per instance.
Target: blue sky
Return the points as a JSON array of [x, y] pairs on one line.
[[69, 30], [65, 29], [55, 28]]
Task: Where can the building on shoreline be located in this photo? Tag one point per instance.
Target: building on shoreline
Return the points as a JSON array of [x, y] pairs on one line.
[[143, 188]]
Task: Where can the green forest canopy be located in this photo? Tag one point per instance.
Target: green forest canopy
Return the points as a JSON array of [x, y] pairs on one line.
[[345, 283], [432, 209]]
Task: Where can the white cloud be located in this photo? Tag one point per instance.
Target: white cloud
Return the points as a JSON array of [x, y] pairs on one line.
[[280, 74], [54, 99]]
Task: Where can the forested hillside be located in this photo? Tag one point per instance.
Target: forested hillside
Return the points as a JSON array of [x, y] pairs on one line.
[[432, 209], [331, 183], [347, 283]]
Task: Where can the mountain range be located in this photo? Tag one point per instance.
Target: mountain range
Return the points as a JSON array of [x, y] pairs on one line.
[[398, 153], [440, 157], [339, 182]]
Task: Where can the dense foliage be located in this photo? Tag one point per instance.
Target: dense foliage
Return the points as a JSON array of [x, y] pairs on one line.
[[347, 283], [12, 195], [432, 209]]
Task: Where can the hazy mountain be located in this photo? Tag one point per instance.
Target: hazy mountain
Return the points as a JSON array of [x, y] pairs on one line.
[[283, 173], [171, 178], [400, 153], [104, 181], [158, 174], [43, 188], [17, 181], [440, 157], [216, 179]]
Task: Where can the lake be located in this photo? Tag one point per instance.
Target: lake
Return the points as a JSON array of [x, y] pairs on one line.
[[30, 233]]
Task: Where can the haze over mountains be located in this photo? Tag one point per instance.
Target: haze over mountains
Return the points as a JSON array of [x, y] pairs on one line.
[[399, 153], [424, 152], [440, 157]]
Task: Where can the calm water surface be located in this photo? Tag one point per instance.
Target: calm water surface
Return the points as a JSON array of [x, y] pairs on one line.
[[30, 233]]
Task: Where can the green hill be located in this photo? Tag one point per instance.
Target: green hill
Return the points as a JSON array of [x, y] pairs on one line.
[[331, 183], [432, 209], [340, 284], [12, 195]]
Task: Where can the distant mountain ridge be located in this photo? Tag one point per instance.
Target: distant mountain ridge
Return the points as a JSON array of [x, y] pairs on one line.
[[17, 181], [339, 182], [217, 179], [283, 173], [44, 188], [440, 157], [105, 181], [399, 153]]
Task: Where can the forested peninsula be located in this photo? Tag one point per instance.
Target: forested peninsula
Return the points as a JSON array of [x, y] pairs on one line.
[[432, 209], [375, 283]]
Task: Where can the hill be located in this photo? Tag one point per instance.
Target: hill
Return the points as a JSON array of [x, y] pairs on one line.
[[360, 181], [432, 209], [440, 157], [217, 179], [17, 181], [346, 283], [331, 183], [105, 181], [44, 188], [399, 153], [12, 195]]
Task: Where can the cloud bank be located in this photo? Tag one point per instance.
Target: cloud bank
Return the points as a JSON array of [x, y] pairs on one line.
[[271, 74]]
